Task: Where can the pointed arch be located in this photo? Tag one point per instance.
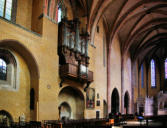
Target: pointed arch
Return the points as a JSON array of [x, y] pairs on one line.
[[126, 102], [115, 101]]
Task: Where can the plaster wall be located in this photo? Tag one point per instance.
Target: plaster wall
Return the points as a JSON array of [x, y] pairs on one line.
[[17, 102], [24, 13], [115, 74], [98, 54], [127, 80]]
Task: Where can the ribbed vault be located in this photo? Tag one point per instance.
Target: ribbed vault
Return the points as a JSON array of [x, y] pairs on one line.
[[141, 25]]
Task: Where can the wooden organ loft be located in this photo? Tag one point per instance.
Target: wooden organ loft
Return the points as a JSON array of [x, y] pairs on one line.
[[73, 52]]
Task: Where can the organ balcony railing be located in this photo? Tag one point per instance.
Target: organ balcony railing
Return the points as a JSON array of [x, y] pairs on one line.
[[73, 52], [76, 73]]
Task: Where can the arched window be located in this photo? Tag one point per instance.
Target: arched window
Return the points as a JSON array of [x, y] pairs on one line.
[[166, 68], [142, 76], [8, 9], [8, 70], [153, 73], [3, 69]]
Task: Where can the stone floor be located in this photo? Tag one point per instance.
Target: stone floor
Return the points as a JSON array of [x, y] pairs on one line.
[[150, 123], [137, 123]]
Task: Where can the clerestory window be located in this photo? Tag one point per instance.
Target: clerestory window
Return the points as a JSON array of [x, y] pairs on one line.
[[59, 11], [8, 9], [142, 76], [153, 84], [166, 68]]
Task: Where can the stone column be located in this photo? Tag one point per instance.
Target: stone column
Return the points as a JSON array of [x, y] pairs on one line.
[[133, 84], [122, 84], [147, 67], [109, 81]]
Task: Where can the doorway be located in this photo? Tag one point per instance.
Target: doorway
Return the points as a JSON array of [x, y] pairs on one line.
[[115, 101], [71, 103], [126, 103]]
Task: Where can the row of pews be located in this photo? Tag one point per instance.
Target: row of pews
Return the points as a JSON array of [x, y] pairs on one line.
[[115, 120], [31, 124], [82, 123], [162, 119], [85, 123]]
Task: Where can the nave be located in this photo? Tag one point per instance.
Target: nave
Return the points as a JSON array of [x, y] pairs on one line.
[[83, 63]]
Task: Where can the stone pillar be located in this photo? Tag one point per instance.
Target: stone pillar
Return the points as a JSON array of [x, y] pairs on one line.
[[138, 83], [147, 67], [109, 81], [122, 84], [133, 84]]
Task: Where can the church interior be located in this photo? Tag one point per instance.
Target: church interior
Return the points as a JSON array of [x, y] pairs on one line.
[[82, 59]]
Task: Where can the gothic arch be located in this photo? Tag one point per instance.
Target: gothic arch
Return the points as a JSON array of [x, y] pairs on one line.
[[115, 105], [126, 102]]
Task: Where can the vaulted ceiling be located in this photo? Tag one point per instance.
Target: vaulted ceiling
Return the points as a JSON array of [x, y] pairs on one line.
[[141, 25]]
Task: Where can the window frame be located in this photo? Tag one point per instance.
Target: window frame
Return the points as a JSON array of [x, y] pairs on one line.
[[13, 11], [11, 83], [2, 61]]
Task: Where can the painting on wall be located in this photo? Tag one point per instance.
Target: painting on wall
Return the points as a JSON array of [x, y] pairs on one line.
[[90, 98]]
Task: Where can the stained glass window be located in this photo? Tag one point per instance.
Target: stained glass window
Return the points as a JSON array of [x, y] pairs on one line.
[[153, 73], [3, 69], [142, 76], [6, 9], [166, 68]]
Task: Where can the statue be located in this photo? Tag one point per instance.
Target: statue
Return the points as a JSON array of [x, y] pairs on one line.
[[22, 119]]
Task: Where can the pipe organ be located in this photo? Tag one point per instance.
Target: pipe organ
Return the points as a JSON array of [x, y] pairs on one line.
[[73, 52]]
